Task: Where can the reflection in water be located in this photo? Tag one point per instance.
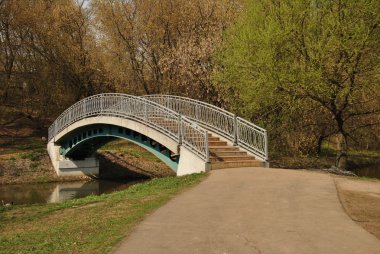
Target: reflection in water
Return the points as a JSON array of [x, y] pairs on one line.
[[368, 172], [57, 192], [67, 191]]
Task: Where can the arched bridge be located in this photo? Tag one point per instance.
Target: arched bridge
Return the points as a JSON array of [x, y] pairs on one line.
[[188, 135]]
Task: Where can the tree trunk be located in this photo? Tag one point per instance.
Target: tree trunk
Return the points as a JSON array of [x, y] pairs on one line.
[[319, 144], [341, 158]]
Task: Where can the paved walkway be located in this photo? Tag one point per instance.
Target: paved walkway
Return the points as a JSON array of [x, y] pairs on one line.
[[253, 210]]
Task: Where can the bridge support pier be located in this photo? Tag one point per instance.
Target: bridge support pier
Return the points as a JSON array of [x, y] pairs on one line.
[[67, 167], [189, 163], [88, 167]]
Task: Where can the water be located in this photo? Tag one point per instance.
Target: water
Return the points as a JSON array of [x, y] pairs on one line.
[[58, 192], [368, 172]]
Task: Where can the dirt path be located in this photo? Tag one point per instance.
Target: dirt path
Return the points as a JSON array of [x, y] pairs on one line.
[[253, 210]]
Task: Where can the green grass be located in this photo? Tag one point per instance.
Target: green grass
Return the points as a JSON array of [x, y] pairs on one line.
[[33, 144], [33, 155], [93, 224], [329, 149]]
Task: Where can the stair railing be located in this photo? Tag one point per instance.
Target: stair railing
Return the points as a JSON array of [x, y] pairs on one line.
[[220, 121]]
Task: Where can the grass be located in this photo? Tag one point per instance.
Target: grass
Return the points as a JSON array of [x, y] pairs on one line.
[[127, 147], [24, 144], [93, 224]]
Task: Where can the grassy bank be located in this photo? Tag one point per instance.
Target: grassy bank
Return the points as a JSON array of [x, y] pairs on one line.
[[122, 155], [89, 225], [25, 160]]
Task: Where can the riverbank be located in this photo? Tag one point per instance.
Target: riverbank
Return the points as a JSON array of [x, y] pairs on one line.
[[25, 161], [89, 225], [363, 163]]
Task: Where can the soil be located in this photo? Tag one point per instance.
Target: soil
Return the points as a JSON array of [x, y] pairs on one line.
[[24, 159], [361, 200], [118, 164], [37, 168], [16, 170]]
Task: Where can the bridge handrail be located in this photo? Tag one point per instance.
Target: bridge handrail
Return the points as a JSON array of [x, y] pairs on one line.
[[236, 129], [152, 114]]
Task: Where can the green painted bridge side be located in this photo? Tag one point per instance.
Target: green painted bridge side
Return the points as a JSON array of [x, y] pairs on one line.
[[98, 135]]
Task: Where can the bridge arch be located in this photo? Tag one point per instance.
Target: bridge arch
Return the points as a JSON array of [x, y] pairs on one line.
[[168, 128], [201, 135], [84, 141]]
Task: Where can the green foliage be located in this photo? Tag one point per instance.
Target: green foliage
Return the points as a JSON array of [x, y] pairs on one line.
[[304, 69]]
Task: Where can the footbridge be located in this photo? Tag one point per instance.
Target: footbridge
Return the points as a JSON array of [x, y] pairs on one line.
[[188, 135]]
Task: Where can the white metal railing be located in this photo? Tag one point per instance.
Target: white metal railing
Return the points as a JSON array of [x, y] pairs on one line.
[[252, 138], [218, 120], [184, 120], [195, 136], [239, 131], [163, 119]]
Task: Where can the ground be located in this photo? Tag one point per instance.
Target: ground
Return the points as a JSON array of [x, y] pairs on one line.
[[361, 162], [23, 159], [26, 161], [93, 224], [361, 200], [124, 156], [299, 209], [253, 210]]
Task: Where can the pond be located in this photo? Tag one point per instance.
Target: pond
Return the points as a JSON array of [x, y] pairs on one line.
[[58, 192]]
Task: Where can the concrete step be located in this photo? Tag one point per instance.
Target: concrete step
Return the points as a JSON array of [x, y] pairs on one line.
[[216, 149], [231, 158], [227, 153], [217, 143], [237, 164]]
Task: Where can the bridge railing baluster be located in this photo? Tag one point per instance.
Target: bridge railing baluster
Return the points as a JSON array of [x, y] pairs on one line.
[[217, 120], [165, 118]]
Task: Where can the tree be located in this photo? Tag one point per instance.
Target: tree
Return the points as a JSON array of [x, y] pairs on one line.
[[162, 46], [67, 44], [9, 44], [49, 56], [305, 55]]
